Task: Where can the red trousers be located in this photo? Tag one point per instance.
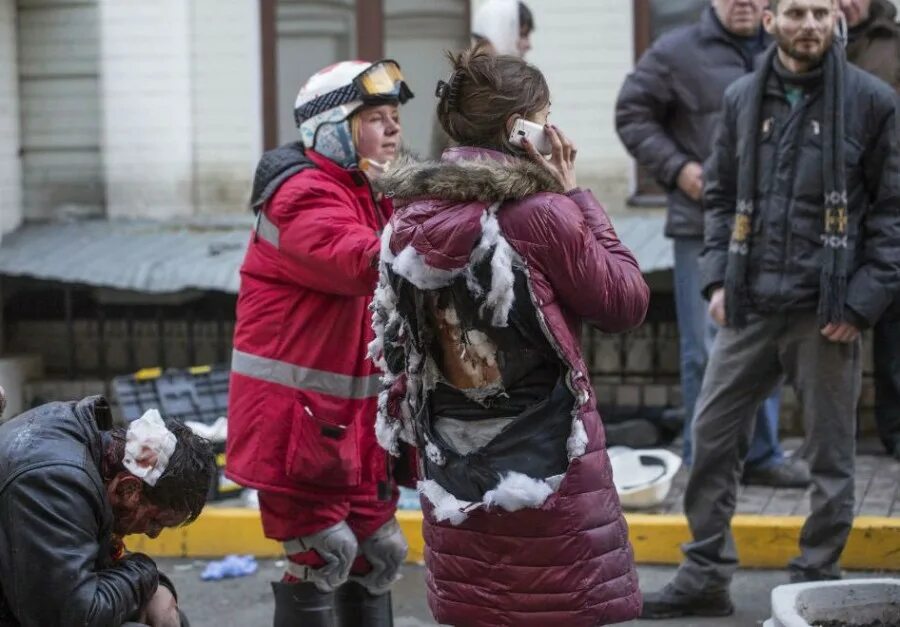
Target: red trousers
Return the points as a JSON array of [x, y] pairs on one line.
[[286, 517]]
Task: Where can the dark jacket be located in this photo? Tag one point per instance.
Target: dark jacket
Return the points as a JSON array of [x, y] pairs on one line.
[[669, 106], [786, 250], [56, 525], [565, 253], [875, 47], [875, 44]]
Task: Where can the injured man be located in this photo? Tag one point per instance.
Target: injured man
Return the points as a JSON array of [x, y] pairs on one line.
[[71, 488]]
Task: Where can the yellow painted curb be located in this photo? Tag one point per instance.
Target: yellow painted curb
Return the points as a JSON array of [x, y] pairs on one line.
[[762, 541], [225, 530], [767, 541]]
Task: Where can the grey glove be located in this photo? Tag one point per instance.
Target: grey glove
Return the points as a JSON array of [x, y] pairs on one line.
[[385, 549], [336, 545]]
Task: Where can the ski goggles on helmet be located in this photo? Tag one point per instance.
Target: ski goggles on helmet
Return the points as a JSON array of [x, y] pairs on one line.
[[380, 83]]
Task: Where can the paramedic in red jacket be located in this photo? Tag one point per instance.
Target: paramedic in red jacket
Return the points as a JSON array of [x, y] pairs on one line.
[[303, 394]]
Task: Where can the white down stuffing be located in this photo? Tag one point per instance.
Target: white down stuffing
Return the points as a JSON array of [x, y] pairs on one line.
[[517, 491], [434, 455], [446, 506], [386, 430], [386, 255], [411, 266], [514, 492], [501, 295], [490, 233], [577, 443]]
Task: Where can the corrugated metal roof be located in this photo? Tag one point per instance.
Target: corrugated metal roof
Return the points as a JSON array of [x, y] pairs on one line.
[[643, 234], [144, 256], [166, 257]]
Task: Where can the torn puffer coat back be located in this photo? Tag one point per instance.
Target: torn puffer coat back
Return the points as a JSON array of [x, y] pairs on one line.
[[563, 558]]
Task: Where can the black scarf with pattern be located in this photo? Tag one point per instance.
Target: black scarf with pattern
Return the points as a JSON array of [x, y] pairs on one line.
[[833, 281]]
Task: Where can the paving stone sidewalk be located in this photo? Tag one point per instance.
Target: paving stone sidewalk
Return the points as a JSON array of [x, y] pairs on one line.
[[877, 488]]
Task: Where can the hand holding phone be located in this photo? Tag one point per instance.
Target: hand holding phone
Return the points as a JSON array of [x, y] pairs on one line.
[[534, 132], [561, 161]]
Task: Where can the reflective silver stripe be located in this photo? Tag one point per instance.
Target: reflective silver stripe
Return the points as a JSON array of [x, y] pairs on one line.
[[266, 229], [308, 379]]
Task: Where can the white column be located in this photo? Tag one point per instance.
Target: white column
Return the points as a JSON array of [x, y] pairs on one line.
[[10, 166], [227, 102], [146, 99]]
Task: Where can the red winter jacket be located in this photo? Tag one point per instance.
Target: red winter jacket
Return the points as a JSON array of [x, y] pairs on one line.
[[303, 393], [566, 561]]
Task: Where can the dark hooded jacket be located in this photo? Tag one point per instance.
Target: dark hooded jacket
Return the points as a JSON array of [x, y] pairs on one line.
[[669, 106], [56, 524], [786, 246], [874, 45], [496, 237]]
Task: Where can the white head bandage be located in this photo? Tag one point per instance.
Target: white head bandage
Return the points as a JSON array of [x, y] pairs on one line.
[[148, 447]]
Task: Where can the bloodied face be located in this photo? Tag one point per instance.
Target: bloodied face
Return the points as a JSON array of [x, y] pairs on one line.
[[133, 512]]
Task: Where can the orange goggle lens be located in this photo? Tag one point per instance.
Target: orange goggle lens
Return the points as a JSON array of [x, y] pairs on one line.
[[381, 79]]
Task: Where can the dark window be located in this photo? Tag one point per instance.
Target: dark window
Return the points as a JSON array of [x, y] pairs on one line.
[[652, 18]]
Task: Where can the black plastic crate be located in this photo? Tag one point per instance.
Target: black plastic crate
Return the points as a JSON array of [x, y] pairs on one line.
[[199, 393]]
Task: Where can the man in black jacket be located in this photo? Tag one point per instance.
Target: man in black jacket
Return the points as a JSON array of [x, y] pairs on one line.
[[71, 488], [666, 116], [802, 251]]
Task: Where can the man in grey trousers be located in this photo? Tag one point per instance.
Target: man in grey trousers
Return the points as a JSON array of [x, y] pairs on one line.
[[802, 251]]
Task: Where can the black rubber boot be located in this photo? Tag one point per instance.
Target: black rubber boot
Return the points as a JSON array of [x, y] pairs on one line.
[[671, 603], [356, 607], [303, 604]]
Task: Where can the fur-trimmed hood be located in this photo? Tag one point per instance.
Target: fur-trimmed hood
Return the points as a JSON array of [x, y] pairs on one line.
[[466, 174]]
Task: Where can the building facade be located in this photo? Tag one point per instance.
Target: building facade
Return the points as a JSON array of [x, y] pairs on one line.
[[124, 122]]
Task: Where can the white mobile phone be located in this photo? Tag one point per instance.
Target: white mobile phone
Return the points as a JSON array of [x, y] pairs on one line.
[[534, 132]]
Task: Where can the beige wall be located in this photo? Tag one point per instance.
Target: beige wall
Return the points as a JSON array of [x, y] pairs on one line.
[[181, 105], [10, 172], [226, 105]]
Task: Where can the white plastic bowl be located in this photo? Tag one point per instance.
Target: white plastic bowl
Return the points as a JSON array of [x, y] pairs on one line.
[[643, 477]]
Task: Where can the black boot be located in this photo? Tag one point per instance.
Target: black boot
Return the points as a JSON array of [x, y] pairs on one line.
[[672, 603], [356, 607], [303, 604], [789, 474], [804, 575]]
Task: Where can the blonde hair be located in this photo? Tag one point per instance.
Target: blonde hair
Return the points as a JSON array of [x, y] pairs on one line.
[[355, 127]]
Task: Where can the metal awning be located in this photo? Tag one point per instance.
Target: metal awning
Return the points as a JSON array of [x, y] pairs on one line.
[[135, 255], [642, 233], [168, 257]]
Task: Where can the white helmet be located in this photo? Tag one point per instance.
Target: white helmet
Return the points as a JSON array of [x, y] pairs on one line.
[[330, 96]]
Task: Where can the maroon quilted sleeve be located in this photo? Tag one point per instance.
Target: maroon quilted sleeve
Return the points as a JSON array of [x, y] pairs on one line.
[[591, 271]]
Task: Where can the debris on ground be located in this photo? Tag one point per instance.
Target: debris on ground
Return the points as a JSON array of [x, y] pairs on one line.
[[231, 566]]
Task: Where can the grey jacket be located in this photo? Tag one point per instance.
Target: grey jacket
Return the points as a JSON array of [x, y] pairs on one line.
[[668, 107], [56, 524], [786, 249]]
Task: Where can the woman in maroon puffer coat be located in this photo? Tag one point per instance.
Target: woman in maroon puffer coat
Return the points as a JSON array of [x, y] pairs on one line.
[[492, 260]]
